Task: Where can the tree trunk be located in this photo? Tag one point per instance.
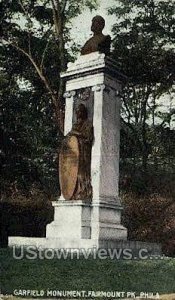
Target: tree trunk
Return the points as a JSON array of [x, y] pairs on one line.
[[59, 23], [144, 131]]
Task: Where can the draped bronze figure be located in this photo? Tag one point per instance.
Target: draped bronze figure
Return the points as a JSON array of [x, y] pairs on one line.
[[75, 159]]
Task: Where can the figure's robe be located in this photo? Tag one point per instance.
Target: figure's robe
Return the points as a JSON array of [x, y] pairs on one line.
[[83, 130]]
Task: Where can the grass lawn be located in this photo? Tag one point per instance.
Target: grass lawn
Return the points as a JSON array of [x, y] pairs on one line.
[[91, 275]]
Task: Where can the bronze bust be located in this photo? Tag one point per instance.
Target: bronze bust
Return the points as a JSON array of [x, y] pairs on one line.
[[99, 41]]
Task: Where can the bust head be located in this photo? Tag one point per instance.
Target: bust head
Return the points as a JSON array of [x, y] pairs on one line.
[[99, 41], [98, 23]]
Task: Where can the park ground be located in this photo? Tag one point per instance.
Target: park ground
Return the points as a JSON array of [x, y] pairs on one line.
[[156, 276]]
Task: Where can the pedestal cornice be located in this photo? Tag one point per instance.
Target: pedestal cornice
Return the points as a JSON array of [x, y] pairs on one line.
[[91, 64]]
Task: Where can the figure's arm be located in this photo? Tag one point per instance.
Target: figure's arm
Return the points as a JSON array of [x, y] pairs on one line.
[[86, 133], [75, 131]]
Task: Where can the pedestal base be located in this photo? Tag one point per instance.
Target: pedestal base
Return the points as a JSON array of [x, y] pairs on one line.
[[83, 224], [86, 226]]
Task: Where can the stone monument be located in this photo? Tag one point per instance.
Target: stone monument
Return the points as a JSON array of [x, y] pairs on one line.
[[88, 213]]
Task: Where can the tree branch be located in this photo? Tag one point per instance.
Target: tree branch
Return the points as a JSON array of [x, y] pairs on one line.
[[63, 6], [55, 17], [53, 4], [29, 20], [44, 54], [58, 7], [127, 108], [43, 79], [133, 130], [22, 6]]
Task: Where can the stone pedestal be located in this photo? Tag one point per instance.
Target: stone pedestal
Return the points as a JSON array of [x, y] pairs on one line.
[[95, 81], [83, 225]]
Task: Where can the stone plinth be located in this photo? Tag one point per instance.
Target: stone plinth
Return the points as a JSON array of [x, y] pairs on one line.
[[79, 224], [95, 81]]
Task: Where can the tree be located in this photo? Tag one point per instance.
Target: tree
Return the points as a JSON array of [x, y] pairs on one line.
[[33, 52], [32, 55], [143, 46], [38, 32]]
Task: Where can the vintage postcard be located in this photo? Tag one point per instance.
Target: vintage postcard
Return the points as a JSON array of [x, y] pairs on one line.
[[87, 149]]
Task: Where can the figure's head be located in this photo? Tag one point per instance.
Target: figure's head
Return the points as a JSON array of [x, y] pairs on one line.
[[98, 23], [82, 112]]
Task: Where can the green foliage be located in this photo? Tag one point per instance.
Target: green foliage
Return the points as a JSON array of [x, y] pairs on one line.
[[148, 200], [32, 55], [143, 45], [24, 213], [143, 36], [151, 218], [29, 130]]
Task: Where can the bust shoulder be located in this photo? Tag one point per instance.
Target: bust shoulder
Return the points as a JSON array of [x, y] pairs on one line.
[[105, 44], [99, 43]]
